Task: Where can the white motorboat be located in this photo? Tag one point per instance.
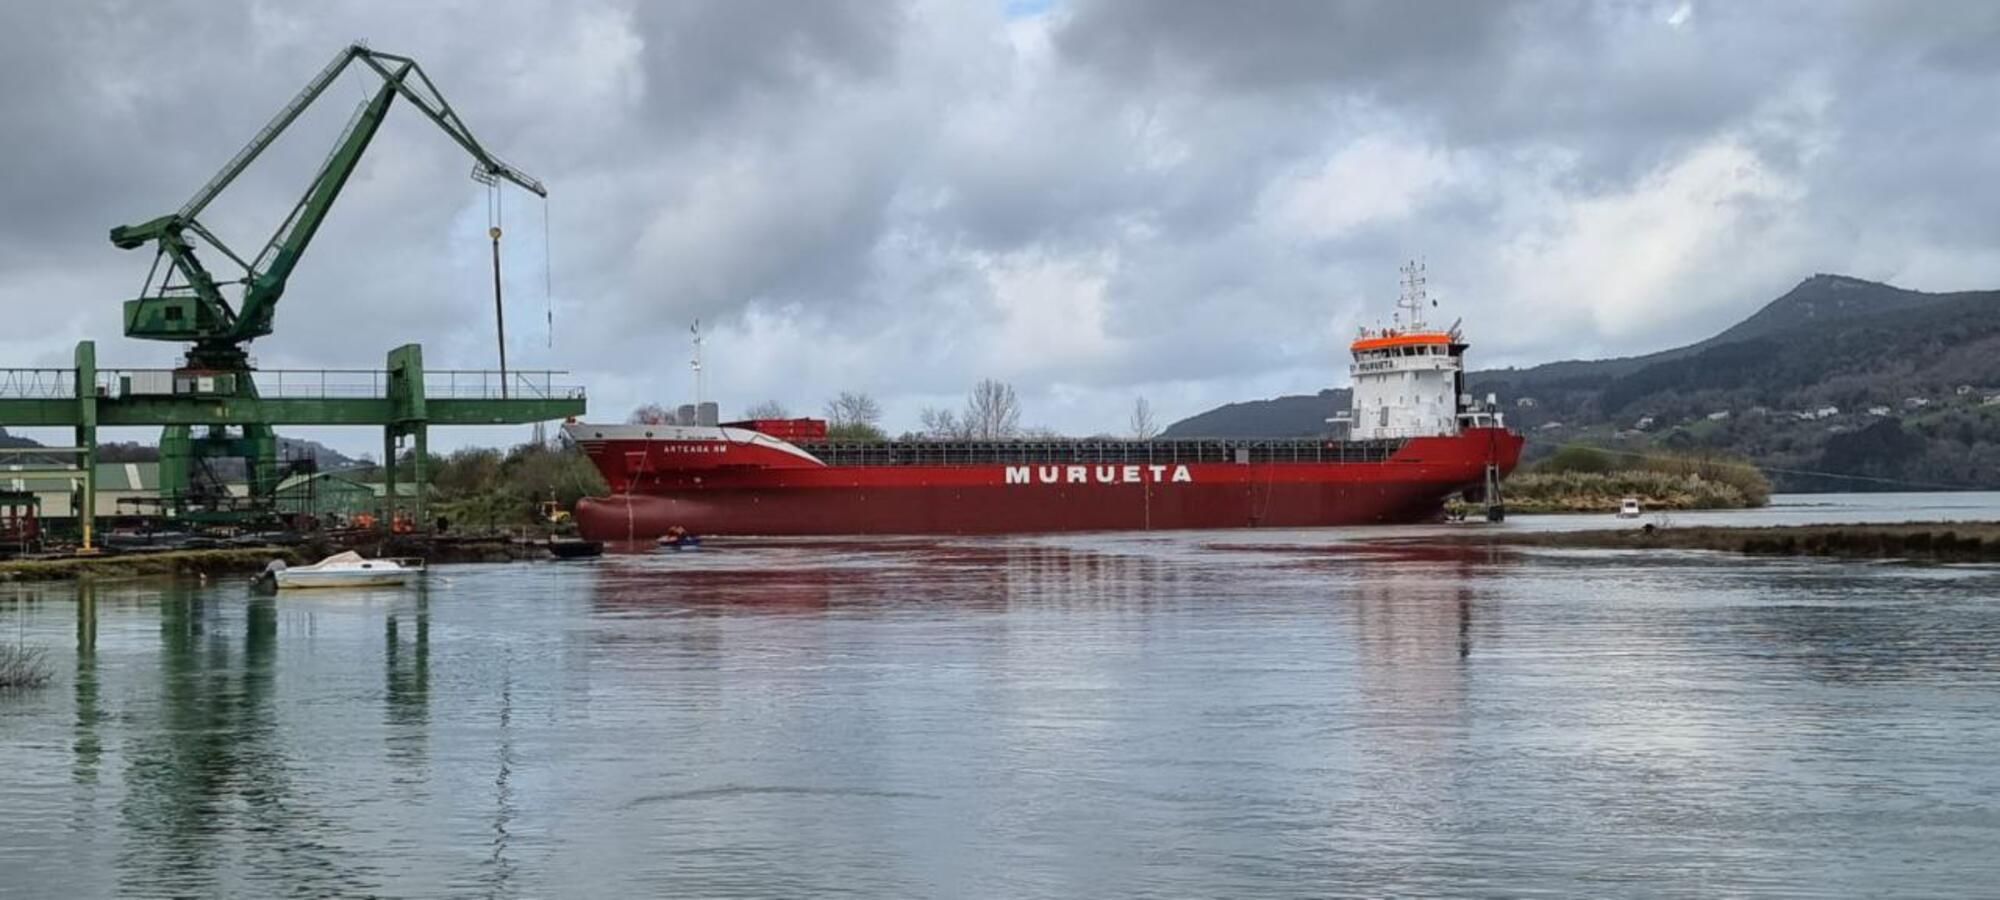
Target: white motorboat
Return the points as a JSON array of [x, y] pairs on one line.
[[1629, 508], [349, 569]]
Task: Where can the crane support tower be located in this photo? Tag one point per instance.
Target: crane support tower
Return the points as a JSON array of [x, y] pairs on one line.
[[211, 405]]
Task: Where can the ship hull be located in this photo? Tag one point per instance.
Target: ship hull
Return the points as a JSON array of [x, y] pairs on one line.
[[1001, 498]]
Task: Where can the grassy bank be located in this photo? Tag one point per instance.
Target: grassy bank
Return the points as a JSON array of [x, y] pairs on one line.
[[1582, 478], [1926, 541], [132, 565], [1598, 492]]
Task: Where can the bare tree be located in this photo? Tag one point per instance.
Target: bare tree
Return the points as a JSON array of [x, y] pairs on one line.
[[853, 408], [651, 414], [1144, 426], [993, 412], [769, 409], [941, 424]]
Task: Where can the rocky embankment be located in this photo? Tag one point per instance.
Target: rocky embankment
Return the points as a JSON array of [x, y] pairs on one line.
[[133, 565]]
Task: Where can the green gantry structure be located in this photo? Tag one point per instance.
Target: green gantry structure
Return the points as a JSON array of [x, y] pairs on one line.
[[401, 399], [217, 404]]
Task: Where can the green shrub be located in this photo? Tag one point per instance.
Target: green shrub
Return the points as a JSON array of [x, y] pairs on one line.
[[1580, 477], [482, 488], [1576, 457]]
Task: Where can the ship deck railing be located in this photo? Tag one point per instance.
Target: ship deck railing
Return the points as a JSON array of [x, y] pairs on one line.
[[1105, 452]]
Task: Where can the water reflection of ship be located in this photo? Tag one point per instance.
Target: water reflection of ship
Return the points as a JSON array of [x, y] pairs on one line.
[[1414, 607], [879, 575], [1416, 623]]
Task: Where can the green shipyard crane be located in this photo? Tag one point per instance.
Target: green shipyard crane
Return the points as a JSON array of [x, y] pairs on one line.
[[184, 301]]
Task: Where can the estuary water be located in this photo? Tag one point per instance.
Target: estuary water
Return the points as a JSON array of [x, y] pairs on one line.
[[1254, 714]]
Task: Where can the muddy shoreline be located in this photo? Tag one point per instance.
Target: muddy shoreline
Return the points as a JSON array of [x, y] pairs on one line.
[[251, 560], [1924, 541]]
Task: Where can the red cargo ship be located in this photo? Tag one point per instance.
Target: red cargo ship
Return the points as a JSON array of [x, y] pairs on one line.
[[1415, 439]]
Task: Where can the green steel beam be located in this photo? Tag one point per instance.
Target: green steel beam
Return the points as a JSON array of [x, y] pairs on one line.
[[17, 413], [20, 413]]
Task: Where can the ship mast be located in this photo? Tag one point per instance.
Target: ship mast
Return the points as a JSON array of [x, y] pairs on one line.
[[695, 364], [1414, 295]]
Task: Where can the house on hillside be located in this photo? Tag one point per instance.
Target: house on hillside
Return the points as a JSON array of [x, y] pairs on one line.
[[1550, 426], [1963, 390], [1525, 403], [1991, 400], [1916, 402], [1718, 415], [1645, 422], [1826, 412], [1878, 410]]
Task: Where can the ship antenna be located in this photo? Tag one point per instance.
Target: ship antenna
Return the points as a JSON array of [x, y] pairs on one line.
[[1414, 295], [695, 363]]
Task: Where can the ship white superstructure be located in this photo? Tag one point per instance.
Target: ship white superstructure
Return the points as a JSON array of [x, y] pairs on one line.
[[1408, 376]]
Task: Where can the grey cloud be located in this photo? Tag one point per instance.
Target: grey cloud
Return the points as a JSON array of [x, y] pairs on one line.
[[706, 57], [1367, 44], [840, 187]]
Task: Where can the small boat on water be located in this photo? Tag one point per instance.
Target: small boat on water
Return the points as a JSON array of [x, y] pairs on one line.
[[574, 548], [349, 569], [678, 538], [1628, 508]]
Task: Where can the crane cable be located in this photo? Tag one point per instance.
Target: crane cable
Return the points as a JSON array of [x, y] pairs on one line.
[[548, 276], [495, 212]]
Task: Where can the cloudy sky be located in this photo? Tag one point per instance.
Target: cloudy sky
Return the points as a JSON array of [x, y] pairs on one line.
[[1191, 201]]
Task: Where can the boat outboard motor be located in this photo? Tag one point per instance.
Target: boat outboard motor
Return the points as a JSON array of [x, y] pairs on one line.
[[269, 577]]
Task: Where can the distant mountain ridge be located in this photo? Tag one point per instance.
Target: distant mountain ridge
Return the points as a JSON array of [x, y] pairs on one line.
[[1889, 362]]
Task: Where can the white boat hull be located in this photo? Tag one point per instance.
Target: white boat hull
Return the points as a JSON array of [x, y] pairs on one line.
[[294, 580], [346, 570]]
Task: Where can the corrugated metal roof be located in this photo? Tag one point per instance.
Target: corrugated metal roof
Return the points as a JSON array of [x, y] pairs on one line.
[[336, 482], [143, 476]]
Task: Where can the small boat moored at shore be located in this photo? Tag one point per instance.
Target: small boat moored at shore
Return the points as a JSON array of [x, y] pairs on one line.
[[348, 569], [1629, 508], [574, 548]]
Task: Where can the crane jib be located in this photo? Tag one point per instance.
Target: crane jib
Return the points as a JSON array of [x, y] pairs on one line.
[[194, 309]]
